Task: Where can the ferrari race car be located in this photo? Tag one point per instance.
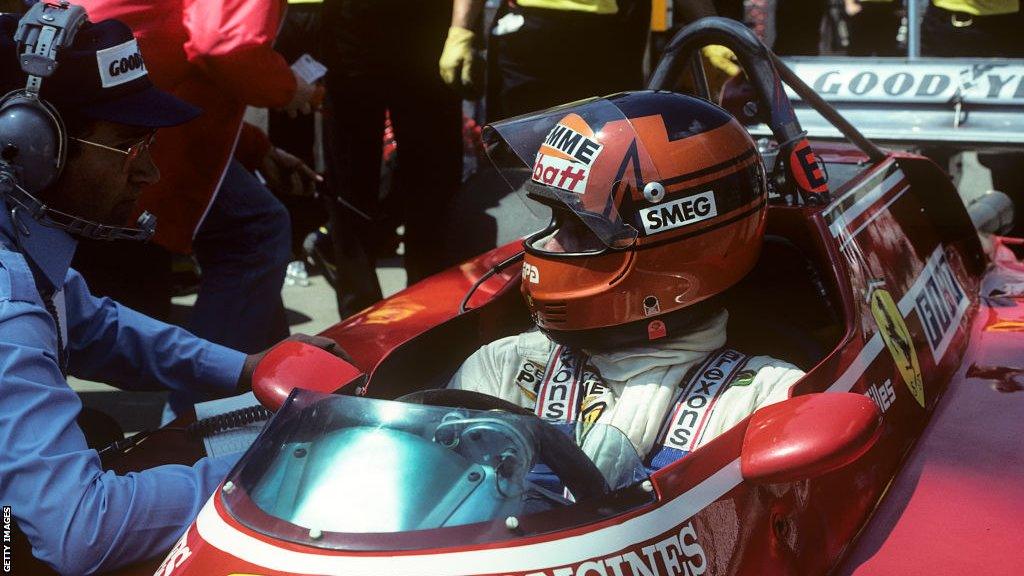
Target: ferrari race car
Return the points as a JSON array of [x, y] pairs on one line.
[[899, 452]]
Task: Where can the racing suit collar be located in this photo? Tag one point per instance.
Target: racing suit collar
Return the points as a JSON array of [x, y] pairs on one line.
[[48, 250], [626, 363]]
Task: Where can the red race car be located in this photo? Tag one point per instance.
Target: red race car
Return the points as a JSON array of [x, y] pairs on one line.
[[899, 452]]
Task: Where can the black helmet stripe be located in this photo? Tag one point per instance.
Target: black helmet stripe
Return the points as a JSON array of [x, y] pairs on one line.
[[730, 192], [710, 169]]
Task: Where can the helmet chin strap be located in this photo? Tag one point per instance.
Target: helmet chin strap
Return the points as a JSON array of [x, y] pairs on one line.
[[42, 32], [143, 231]]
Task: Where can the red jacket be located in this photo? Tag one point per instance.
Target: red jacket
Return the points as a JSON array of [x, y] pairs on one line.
[[215, 54]]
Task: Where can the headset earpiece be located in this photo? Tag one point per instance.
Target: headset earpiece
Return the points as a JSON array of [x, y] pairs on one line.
[[33, 140]]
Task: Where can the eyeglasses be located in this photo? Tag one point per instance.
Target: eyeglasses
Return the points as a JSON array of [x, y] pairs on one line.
[[130, 155]]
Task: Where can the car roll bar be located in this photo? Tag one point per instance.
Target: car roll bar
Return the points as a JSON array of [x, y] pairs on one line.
[[765, 72]]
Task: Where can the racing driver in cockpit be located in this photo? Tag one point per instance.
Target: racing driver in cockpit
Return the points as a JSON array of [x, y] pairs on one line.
[[659, 205]]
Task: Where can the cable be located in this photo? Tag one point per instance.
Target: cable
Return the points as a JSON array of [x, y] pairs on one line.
[[124, 444], [234, 419], [463, 307]]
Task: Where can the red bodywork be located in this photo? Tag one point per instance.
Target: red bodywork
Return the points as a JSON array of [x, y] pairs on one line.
[[908, 309]]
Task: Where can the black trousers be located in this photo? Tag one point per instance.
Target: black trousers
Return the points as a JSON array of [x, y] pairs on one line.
[[873, 30], [426, 118], [798, 27], [945, 33], [298, 35], [559, 56]]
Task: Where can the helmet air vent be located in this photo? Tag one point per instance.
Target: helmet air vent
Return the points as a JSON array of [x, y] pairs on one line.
[[554, 312]]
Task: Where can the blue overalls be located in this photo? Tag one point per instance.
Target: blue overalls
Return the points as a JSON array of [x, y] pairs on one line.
[[79, 518]]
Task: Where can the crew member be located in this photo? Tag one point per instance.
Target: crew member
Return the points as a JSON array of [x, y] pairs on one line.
[[658, 204], [543, 52], [78, 518], [381, 58], [296, 134], [220, 60], [973, 28], [980, 29], [218, 57]]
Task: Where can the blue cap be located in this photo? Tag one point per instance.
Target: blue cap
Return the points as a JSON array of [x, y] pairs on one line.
[[102, 76]]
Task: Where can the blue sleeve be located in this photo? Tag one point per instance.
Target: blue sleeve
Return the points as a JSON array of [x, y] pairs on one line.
[[78, 518], [110, 343]]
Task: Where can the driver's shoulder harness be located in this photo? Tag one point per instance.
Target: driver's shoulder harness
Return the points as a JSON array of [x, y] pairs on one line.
[[570, 391]]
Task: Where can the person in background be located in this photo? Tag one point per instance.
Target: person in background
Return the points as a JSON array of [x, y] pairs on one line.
[[218, 57], [980, 29], [973, 28], [544, 52], [381, 57], [798, 27], [873, 26], [296, 134]]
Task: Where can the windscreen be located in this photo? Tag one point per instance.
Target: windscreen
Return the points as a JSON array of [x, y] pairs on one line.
[[344, 472]]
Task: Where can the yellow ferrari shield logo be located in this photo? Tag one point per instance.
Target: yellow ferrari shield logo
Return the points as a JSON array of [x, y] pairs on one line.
[[898, 340]]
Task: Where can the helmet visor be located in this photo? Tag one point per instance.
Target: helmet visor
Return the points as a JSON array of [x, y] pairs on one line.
[[584, 157]]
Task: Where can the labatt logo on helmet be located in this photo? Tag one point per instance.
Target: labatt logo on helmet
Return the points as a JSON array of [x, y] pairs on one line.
[[565, 158]]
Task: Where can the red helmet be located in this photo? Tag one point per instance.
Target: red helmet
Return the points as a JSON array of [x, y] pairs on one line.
[[658, 202]]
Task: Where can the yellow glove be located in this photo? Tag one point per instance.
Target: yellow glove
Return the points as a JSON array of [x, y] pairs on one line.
[[721, 58], [456, 61]]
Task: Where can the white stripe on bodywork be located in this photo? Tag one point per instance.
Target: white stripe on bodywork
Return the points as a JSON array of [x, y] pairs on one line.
[[875, 345], [851, 235], [561, 552], [834, 205], [856, 368], [842, 219]]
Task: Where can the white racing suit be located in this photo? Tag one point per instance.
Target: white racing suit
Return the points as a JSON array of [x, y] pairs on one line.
[[675, 393]]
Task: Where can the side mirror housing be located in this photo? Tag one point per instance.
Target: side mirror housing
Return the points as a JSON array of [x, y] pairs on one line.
[[291, 365], [808, 436]]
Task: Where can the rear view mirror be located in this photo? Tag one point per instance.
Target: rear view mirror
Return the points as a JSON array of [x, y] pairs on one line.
[[808, 436], [291, 365]]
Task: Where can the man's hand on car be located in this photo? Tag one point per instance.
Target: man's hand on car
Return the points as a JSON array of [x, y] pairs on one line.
[[252, 360]]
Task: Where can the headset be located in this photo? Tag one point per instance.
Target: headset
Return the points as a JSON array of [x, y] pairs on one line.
[[33, 138]]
